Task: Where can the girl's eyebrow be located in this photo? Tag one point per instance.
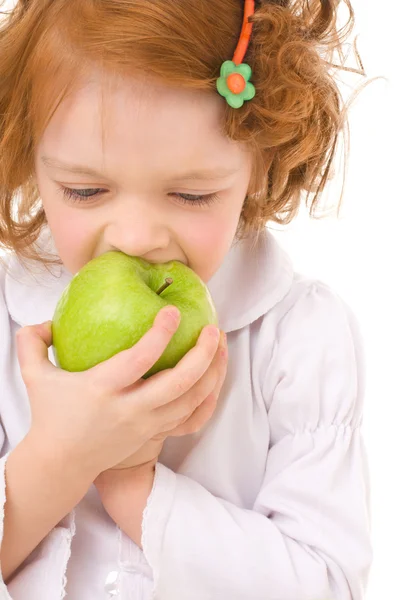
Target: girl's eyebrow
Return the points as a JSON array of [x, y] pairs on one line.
[[216, 173]]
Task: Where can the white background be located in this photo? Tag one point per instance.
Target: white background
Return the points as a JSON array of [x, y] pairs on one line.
[[356, 254]]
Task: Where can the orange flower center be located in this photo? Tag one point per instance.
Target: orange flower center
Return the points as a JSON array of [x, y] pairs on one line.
[[236, 83]]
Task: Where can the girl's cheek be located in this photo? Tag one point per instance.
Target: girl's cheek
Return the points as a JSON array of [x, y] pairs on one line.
[[206, 244], [74, 236], [205, 237]]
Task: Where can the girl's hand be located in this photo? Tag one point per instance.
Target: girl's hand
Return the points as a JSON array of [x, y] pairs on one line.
[[99, 417], [149, 452]]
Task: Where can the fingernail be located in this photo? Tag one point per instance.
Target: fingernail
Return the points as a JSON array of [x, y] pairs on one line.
[[174, 314], [224, 345], [214, 331], [224, 353]]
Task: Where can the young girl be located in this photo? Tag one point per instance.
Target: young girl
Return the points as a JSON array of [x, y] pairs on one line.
[[176, 131]]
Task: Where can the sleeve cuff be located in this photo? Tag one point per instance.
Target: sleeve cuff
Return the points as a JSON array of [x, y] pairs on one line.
[[47, 563], [156, 514]]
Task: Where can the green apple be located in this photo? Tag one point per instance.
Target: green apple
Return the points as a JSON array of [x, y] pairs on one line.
[[113, 301]]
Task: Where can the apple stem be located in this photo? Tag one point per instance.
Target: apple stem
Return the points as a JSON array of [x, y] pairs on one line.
[[168, 281]]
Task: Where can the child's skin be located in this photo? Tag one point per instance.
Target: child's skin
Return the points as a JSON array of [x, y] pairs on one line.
[[153, 136], [85, 423], [92, 423]]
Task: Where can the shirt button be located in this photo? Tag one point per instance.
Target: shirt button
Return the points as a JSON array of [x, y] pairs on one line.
[[111, 583]]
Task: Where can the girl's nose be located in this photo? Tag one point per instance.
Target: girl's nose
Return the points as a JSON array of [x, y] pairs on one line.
[[138, 233]]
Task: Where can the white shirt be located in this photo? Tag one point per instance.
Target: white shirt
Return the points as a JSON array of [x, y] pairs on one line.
[[269, 501]]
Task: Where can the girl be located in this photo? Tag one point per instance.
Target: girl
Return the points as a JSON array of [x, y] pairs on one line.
[[155, 128]]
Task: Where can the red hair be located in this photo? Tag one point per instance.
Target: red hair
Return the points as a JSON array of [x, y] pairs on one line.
[[291, 125]]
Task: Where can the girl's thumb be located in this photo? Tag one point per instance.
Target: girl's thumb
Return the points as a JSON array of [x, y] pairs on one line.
[[33, 342]]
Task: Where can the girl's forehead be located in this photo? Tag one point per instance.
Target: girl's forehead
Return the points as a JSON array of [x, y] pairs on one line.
[[141, 118]]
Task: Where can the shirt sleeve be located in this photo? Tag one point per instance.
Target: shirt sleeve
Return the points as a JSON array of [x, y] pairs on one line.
[[4, 329], [307, 536], [42, 575], [3, 588]]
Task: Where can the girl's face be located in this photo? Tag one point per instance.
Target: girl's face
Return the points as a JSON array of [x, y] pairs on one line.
[[139, 178]]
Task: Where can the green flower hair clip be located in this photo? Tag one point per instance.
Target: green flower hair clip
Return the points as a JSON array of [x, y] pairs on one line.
[[234, 83]]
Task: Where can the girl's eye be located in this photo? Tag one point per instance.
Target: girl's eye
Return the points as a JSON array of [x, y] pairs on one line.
[[85, 195], [204, 200]]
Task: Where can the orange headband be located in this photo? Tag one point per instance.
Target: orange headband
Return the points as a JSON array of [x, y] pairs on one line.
[[234, 81]]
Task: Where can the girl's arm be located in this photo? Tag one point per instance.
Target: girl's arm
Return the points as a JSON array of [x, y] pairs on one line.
[[40, 491], [307, 535]]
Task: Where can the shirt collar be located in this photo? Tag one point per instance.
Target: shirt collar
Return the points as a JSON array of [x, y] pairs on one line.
[[252, 279]]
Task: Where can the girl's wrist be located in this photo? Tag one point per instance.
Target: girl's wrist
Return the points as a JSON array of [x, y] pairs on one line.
[[112, 480], [54, 458], [124, 496]]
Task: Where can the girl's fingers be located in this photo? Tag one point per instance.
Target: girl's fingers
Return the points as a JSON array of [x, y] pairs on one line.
[[205, 410], [128, 366], [174, 383], [191, 412], [198, 419], [33, 342]]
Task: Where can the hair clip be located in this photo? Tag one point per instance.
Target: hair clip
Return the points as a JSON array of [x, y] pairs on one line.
[[234, 83]]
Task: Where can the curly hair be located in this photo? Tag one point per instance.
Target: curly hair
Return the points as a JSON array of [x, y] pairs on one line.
[[291, 126]]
